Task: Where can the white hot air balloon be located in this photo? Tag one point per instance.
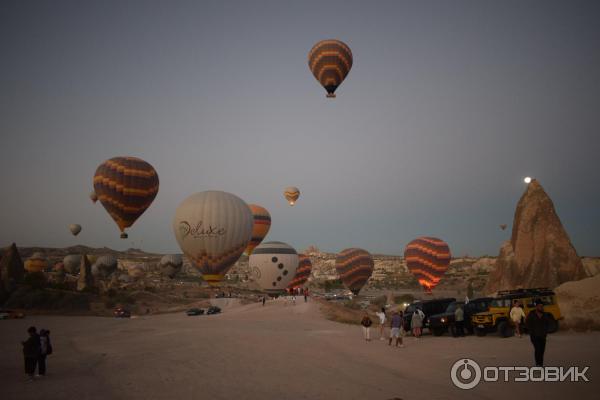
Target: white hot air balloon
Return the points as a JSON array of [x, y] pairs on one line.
[[213, 229], [72, 263], [75, 229], [105, 266], [273, 265], [170, 265]]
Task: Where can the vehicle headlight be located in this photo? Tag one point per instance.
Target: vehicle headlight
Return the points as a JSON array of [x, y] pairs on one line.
[[443, 320]]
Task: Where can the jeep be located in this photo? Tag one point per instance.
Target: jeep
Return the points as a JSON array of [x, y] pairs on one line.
[[444, 322], [497, 319]]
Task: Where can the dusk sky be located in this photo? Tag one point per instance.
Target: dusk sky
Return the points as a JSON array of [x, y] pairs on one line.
[[448, 106]]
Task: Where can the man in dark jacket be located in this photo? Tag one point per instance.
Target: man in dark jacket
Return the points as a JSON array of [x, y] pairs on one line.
[[538, 324], [31, 352]]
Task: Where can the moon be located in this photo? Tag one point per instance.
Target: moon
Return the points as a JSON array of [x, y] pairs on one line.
[[527, 179]]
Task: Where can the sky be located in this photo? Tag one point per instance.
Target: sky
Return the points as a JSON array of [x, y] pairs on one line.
[[448, 106]]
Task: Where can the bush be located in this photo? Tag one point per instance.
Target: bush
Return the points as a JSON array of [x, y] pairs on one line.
[[41, 299], [35, 280]]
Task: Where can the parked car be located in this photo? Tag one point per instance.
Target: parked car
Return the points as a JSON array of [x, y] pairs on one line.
[[213, 310], [429, 307], [121, 312], [194, 311], [444, 322], [11, 314], [496, 319]]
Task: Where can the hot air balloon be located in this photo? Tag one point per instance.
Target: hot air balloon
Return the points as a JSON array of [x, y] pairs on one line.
[[213, 229], [72, 263], [291, 194], [355, 267], [427, 258], [105, 266], [36, 263], [75, 229], [170, 265], [126, 187], [273, 265], [503, 226], [330, 61], [302, 272], [262, 223], [93, 196]]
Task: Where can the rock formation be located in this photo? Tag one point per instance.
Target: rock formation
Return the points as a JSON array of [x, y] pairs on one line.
[[539, 253], [12, 270], [86, 280]]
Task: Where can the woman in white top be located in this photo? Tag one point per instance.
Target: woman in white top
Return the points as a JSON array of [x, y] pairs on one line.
[[516, 316], [382, 319]]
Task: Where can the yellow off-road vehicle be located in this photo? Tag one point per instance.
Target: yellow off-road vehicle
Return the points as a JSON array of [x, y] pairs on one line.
[[497, 319]]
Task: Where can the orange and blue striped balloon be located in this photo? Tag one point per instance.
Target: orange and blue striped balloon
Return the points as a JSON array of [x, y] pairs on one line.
[[427, 258], [355, 267], [302, 272], [260, 229]]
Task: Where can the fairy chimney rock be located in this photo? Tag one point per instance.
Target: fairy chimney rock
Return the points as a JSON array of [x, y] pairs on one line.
[[86, 280], [539, 253]]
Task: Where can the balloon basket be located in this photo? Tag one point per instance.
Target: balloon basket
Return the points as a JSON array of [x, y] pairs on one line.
[[124, 235], [330, 95]]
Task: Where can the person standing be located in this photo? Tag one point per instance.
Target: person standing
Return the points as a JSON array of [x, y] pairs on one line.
[[45, 350], [382, 318], [366, 325], [395, 331], [516, 316], [416, 323], [31, 352], [459, 321], [305, 295], [538, 324], [264, 299]]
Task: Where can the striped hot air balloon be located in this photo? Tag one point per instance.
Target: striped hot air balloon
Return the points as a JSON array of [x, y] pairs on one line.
[[262, 224], [213, 229], [291, 194], [330, 61], [427, 258], [355, 267], [302, 272], [126, 187]]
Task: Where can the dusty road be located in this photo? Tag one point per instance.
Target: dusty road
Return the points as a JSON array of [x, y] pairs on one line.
[[275, 352]]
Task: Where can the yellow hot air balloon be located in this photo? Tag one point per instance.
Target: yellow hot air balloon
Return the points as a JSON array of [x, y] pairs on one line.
[[291, 194], [213, 229], [36, 263], [262, 223]]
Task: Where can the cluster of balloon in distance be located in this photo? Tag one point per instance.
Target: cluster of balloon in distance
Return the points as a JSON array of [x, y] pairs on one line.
[[214, 228]]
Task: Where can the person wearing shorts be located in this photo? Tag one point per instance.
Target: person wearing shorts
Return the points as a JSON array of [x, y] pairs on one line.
[[395, 332]]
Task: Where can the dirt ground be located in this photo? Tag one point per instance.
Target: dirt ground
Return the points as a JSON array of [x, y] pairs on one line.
[[279, 351]]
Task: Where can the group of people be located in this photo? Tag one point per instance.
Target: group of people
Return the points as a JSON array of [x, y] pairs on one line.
[[396, 325], [537, 323], [35, 350]]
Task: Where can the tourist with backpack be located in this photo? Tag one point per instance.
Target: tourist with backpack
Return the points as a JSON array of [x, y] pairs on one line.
[[366, 325], [45, 350]]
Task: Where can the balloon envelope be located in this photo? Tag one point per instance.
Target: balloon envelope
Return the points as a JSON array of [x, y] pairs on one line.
[[93, 196], [302, 272], [330, 62], [355, 267], [126, 187], [36, 263], [291, 194], [75, 229], [273, 265], [213, 229], [427, 258], [72, 263], [105, 265], [262, 224], [170, 265]]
